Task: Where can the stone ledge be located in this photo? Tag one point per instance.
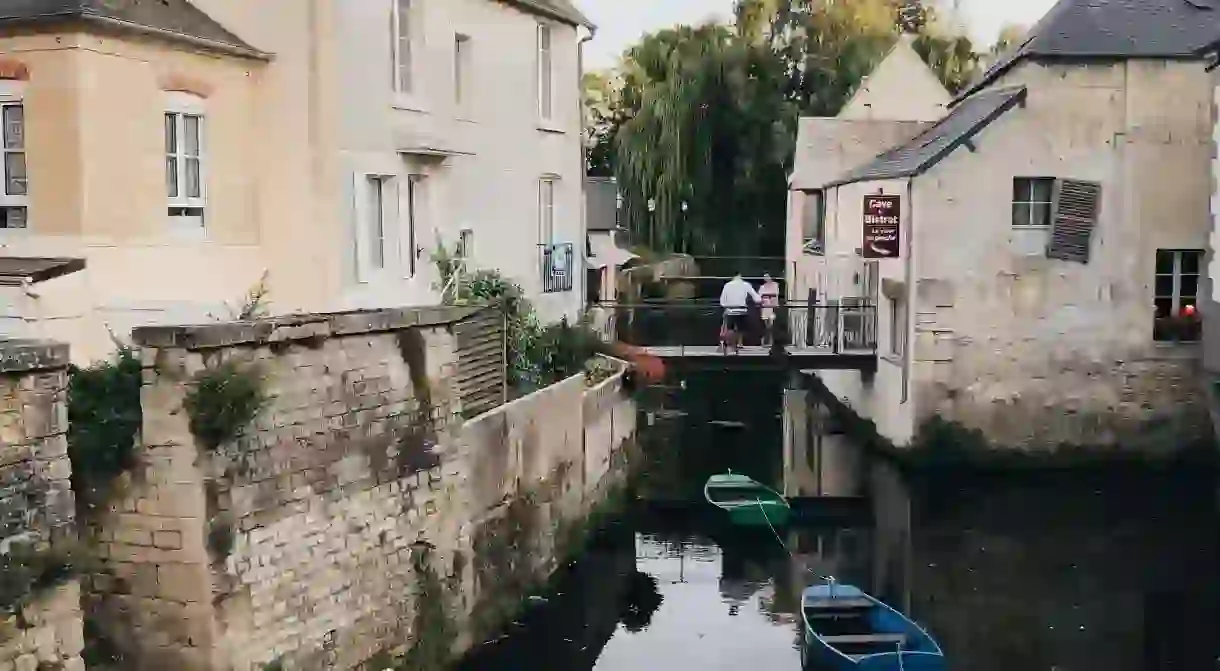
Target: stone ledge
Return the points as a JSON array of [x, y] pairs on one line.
[[19, 355], [297, 327]]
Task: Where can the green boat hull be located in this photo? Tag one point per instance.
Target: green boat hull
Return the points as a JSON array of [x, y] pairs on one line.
[[747, 502], [769, 513]]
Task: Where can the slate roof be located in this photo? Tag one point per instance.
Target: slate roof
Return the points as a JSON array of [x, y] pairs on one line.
[[560, 10], [934, 144], [1113, 29], [174, 18]]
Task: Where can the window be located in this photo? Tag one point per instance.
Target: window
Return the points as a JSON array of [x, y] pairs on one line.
[[813, 222], [461, 69], [546, 211], [184, 165], [1032, 202], [402, 47], [1176, 293], [13, 202], [1055, 216], [898, 327], [410, 241], [379, 188], [546, 102], [466, 244]]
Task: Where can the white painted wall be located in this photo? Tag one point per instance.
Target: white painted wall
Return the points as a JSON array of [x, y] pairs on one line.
[[501, 146]]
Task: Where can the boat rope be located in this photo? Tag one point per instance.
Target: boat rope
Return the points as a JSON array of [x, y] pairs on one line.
[[828, 579]]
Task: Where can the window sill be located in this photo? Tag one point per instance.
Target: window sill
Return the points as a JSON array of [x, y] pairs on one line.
[[409, 103], [892, 359]]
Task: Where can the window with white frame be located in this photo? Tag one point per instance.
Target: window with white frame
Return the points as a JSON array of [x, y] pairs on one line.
[[381, 195], [402, 15], [546, 211], [185, 163], [898, 330], [461, 70], [466, 244], [410, 241], [546, 74], [813, 222], [14, 203], [1032, 202], [1176, 295]]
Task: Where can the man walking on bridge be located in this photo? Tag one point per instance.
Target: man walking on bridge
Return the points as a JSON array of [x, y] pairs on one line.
[[734, 298]]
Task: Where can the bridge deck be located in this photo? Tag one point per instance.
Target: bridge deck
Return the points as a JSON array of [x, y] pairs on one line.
[[753, 356]]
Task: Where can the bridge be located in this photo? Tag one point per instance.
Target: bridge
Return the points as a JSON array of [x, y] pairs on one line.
[[817, 336]]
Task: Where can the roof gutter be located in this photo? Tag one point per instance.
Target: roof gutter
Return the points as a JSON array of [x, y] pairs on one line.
[[209, 45]]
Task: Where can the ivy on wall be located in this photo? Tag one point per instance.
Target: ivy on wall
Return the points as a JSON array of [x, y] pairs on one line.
[[104, 417]]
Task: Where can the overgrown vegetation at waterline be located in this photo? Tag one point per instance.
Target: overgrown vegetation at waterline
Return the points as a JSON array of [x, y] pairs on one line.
[[943, 445], [698, 123]]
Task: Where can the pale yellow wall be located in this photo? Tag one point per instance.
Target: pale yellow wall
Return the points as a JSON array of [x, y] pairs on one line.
[[95, 146], [901, 88]]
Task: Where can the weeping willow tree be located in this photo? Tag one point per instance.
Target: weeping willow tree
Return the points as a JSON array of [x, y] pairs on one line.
[[701, 127], [702, 161]]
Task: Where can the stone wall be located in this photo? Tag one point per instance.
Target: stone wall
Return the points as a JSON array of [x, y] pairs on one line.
[[41, 627], [358, 518]]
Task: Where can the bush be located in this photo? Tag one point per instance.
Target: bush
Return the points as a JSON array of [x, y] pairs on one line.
[[223, 402], [537, 355], [104, 417]]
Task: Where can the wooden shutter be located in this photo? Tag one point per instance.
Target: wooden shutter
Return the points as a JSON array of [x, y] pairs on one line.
[[1077, 204]]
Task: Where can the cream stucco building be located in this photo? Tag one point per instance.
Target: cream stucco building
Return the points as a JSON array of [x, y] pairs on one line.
[[183, 149], [1051, 240]]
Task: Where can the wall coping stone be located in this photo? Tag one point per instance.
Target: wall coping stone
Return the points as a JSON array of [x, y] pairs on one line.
[[290, 328], [19, 355]]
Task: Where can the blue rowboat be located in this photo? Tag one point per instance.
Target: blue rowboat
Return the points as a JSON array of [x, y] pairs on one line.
[[849, 630]]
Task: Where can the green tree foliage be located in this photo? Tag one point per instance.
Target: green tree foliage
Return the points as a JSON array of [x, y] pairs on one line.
[[699, 122]]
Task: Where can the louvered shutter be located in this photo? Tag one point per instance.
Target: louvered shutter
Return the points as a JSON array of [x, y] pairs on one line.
[[1077, 205]]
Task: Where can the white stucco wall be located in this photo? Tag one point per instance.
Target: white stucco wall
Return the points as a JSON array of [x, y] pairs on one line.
[[826, 149], [1039, 352], [502, 148]]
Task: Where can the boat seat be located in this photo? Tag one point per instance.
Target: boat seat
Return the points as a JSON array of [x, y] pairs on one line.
[[832, 604], [865, 639]]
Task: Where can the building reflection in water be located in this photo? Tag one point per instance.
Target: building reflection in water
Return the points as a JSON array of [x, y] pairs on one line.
[[1112, 570]]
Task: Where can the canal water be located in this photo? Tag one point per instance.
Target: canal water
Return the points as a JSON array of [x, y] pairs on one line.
[[1106, 570]]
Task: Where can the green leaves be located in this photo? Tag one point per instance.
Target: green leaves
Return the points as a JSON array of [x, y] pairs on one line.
[[104, 417], [699, 122]]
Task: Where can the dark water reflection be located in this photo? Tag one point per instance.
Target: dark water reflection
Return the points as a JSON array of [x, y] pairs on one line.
[[1104, 571]]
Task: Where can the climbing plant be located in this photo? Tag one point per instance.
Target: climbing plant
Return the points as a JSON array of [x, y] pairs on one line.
[[223, 402], [104, 417]]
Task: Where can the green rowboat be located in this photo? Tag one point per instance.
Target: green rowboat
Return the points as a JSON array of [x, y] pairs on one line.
[[747, 501]]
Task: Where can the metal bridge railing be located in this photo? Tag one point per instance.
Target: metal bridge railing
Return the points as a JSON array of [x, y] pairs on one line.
[[840, 327]]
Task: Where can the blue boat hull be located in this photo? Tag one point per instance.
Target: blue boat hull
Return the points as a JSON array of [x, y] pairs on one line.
[[849, 630]]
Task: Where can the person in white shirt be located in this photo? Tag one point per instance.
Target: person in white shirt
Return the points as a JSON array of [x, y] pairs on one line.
[[734, 299]]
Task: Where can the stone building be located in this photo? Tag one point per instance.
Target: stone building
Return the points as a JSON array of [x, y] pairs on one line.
[[1039, 277], [182, 149]]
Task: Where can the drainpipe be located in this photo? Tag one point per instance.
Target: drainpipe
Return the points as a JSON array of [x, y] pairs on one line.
[[910, 297], [584, 165]]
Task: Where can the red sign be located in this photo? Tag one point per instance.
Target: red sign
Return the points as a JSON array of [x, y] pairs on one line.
[[882, 215]]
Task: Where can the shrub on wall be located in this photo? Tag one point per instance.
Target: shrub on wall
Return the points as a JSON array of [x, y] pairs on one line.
[[223, 402], [537, 355], [104, 416]]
